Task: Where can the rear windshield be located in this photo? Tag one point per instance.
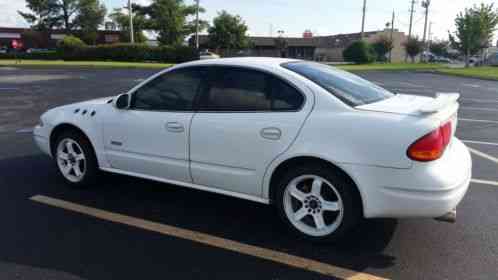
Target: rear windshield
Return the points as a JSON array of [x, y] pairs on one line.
[[349, 88]]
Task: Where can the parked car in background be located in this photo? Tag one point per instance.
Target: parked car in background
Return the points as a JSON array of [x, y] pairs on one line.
[[35, 50], [322, 145], [208, 55], [3, 50]]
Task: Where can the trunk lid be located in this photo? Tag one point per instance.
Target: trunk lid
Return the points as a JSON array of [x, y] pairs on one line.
[[441, 108]]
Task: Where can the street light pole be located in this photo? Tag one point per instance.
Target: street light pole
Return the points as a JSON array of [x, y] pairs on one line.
[[132, 35], [197, 25]]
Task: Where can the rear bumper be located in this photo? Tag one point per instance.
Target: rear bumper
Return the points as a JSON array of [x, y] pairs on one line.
[[426, 190]]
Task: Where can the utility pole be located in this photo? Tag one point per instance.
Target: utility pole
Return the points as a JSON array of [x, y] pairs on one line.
[[132, 35], [425, 5], [430, 35], [363, 18], [197, 25], [412, 10], [392, 42]]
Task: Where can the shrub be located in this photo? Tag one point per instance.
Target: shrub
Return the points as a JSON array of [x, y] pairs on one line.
[[359, 52], [70, 45], [134, 53], [73, 50], [46, 55], [414, 47], [382, 47]]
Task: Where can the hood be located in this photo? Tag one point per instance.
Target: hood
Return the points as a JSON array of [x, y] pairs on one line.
[[97, 101]]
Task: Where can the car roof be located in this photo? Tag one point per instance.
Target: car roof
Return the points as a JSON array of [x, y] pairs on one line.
[[257, 62]]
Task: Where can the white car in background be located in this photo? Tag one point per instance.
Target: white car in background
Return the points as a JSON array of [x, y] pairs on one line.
[[208, 55], [324, 146]]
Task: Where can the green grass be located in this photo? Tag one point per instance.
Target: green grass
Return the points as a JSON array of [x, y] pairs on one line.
[[82, 64], [391, 67], [475, 72]]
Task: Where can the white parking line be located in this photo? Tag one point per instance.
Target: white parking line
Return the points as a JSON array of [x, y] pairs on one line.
[[210, 240], [485, 182], [481, 100], [9, 88], [483, 155], [479, 109], [480, 142], [25, 130], [471, 85], [481, 121]]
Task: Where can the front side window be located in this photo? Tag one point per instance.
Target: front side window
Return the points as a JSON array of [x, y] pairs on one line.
[[238, 89], [172, 91], [349, 88]]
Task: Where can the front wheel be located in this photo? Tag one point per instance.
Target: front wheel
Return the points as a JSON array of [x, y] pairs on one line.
[[75, 159], [317, 203]]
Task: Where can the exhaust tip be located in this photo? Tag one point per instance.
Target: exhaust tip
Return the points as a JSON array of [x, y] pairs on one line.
[[449, 217]]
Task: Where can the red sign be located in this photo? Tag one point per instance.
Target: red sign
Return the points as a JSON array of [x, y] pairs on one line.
[[17, 44]]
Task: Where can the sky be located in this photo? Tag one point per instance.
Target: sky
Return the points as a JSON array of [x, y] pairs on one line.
[[322, 17]]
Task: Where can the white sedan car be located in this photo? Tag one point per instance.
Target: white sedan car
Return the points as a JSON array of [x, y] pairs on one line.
[[324, 146]]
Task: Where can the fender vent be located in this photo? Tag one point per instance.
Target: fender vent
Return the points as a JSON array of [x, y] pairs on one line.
[[84, 112], [76, 111], [93, 113]]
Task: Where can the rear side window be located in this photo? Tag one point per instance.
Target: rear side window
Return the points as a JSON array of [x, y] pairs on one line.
[[238, 89], [285, 97], [172, 91], [349, 88]]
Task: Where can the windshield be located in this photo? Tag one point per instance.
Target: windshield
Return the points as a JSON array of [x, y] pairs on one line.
[[349, 88]]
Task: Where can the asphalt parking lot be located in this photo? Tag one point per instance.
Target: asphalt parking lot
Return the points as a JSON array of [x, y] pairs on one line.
[[135, 229]]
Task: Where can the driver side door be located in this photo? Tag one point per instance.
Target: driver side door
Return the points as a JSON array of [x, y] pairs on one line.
[[151, 137]]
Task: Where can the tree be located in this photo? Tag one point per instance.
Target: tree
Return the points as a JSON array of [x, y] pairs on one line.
[[91, 15], [68, 10], [414, 46], [169, 19], [382, 46], [48, 14], [281, 44], [439, 48], [228, 32], [44, 14], [488, 20], [359, 52], [122, 20], [474, 30]]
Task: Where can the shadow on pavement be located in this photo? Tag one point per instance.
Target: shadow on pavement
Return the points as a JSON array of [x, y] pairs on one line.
[[53, 238]]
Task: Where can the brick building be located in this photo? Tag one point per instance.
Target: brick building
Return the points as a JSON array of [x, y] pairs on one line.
[[323, 48], [49, 39]]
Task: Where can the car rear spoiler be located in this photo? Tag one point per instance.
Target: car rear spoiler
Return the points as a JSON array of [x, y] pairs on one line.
[[441, 101]]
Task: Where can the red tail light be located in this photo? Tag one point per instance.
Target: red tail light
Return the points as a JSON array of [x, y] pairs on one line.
[[431, 146]]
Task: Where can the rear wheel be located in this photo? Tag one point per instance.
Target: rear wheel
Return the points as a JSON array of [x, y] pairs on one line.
[[75, 159], [317, 203]]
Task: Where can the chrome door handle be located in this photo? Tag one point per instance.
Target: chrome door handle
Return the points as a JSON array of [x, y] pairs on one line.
[[271, 133], [174, 127]]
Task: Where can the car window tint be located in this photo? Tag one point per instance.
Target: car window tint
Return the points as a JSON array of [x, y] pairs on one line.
[[237, 90], [349, 88], [173, 91], [285, 97]]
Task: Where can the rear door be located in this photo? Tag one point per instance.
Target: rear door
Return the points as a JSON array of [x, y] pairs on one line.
[[246, 118]]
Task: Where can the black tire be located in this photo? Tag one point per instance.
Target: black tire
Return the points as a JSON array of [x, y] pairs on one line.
[[91, 164], [344, 186]]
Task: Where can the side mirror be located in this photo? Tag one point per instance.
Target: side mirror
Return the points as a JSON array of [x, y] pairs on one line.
[[122, 102]]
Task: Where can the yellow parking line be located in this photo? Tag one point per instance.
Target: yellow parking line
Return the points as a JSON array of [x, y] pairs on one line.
[[263, 253]]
